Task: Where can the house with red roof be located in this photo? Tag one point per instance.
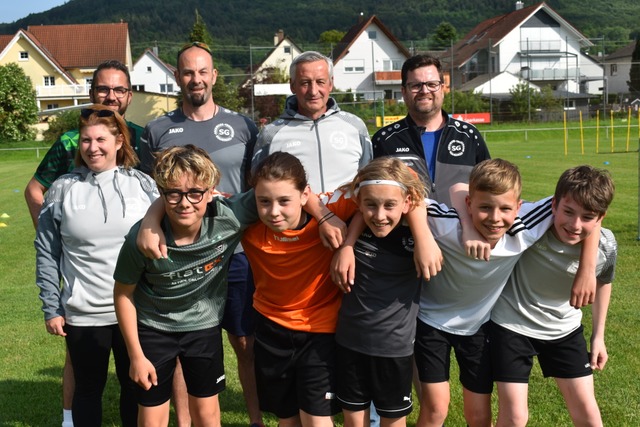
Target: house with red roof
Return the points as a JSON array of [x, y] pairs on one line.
[[532, 45], [367, 61], [60, 59]]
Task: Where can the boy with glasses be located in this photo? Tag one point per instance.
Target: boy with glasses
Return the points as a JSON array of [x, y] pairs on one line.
[[173, 307]]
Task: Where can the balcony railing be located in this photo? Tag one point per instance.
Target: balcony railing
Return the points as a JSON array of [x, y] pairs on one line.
[[532, 46], [62, 91], [551, 74]]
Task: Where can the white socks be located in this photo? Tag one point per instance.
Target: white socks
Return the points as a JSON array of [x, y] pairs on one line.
[[67, 419]]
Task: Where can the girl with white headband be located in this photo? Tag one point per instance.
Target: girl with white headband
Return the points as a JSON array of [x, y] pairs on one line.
[[376, 322]]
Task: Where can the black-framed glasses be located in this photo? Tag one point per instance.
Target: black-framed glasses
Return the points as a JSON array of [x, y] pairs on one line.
[[416, 87], [196, 44], [119, 91], [85, 113], [173, 197]]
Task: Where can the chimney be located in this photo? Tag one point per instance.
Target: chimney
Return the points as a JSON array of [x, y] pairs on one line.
[[519, 5], [278, 37]]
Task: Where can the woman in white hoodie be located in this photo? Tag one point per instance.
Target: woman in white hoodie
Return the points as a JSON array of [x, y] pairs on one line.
[[81, 227]]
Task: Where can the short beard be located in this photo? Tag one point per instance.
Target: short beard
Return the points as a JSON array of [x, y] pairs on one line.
[[197, 100]]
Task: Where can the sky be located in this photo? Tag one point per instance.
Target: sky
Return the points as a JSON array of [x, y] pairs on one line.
[[12, 10]]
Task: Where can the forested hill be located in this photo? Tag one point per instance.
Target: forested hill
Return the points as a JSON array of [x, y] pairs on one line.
[[243, 22]]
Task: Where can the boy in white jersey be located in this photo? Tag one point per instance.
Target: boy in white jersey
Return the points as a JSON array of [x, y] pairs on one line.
[[455, 305], [533, 315]]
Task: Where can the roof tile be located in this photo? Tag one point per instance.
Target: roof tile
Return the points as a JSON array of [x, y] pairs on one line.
[[84, 45]]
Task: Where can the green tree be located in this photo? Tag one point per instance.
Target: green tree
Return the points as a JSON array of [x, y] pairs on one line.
[[18, 106], [61, 123], [445, 33], [331, 36], [227, 95], [547, 101], [199, 32], [634, 72], [467, 102], [615, 36], [524, 100]]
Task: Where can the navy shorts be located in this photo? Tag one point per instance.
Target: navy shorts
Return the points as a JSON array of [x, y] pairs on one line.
[[512, 355], [432, 352], [361, 379], [201, 355], [239, 314], [294, 370]]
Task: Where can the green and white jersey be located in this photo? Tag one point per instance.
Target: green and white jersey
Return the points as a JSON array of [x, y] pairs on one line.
[[187, 292]]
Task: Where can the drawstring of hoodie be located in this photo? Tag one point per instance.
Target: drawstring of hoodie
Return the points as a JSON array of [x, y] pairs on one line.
[[116, 187]]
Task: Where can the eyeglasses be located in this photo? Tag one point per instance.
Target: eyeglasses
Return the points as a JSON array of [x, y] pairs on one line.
[[119, 91], [417, 87], [85, 113], [173, 197], [196, 44]]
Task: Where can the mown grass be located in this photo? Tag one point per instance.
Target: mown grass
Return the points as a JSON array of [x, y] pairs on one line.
[[31, 360]]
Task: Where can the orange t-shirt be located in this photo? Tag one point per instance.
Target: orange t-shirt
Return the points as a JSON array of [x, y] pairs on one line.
[[291, 272]]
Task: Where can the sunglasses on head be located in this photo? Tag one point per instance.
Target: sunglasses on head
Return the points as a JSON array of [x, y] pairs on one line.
[[87, 112], [194, 44]]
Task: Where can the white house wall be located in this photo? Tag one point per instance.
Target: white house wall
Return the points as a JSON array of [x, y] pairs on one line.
[[592, 72], [154, 78], [510, 53], [369, 56], [501, 85], [617, 80], [281, 59]]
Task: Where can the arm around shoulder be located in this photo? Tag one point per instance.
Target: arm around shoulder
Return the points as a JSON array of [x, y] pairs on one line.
[[427, 255], [599, 311], [151, 239], [34, 196], [583, 291]]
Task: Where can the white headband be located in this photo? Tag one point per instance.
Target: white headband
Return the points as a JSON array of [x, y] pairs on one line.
[[379, 182]]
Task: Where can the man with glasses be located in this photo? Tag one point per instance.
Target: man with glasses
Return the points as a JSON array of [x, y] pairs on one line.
[[443, 150], [225, 135], [110, 86]]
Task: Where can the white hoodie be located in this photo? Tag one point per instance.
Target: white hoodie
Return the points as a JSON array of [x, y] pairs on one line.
[[81, 228]]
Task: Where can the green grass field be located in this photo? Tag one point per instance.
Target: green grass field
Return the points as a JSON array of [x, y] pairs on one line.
[[31, 360]]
